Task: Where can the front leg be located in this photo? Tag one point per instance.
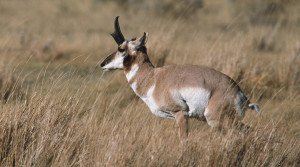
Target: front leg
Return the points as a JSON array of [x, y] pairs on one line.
[[182, 122]]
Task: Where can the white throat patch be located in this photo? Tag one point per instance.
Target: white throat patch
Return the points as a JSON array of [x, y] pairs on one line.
[[132, 72], [134, 87]]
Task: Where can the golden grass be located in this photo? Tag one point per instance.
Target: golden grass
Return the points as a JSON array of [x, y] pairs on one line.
[[66, 112]]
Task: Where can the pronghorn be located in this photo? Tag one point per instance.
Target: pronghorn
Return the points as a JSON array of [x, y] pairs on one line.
[[178, 91]]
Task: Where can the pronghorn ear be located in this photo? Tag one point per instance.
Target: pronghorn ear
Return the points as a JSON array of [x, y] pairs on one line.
[[142, 40], [145, 38]]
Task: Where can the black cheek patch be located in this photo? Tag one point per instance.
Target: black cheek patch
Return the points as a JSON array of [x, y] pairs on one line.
[[128, 60]]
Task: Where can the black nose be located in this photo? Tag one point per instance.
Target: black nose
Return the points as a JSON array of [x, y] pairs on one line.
[[103, 64]]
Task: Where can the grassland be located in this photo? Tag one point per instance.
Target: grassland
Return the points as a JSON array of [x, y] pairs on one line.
[[58, 109]]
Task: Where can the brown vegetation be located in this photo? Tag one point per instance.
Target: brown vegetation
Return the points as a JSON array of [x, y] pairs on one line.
[[70, 114]]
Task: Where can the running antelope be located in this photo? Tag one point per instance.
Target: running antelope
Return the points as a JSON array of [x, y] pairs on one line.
[[178, 91]]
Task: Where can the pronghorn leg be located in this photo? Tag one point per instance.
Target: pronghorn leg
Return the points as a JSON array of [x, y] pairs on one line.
[[212, 113], [219, 116], [182, 122], [212, 118], [217, 112]]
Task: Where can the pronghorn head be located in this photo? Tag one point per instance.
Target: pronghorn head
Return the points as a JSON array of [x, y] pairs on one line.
[[127, 50]]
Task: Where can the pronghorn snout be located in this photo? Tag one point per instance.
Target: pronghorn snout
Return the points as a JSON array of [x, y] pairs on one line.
[[113, 61], [104, 64]]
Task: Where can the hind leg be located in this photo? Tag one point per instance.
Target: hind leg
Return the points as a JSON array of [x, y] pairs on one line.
[[212, 116], [219, 112]]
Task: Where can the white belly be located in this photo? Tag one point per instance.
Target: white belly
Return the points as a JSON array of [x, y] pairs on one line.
[[195, 98]]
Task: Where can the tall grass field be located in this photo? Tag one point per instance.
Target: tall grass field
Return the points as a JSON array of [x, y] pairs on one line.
[[58, 108]]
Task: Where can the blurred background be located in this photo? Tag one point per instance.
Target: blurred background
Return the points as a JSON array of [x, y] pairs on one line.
[[58, 109]]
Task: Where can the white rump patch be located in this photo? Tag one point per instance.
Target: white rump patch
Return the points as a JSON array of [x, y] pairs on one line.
[[195, 98], [132, 72]]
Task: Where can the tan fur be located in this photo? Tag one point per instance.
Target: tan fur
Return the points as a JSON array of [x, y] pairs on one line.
[[180, 76], [222, 88]]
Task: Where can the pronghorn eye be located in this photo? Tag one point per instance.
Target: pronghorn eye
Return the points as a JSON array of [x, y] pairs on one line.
[[121, 50]]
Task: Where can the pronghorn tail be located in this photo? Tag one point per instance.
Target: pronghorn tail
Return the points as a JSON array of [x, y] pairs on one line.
[[254, 107], [242, 104]]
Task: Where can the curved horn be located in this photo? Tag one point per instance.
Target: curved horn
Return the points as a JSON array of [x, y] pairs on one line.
[[117, 35]]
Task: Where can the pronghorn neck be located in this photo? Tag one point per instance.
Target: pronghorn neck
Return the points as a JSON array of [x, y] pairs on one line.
[[139, 73], [137, 65]]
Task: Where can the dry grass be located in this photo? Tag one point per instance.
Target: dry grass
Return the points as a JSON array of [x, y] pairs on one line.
[[64, 112]]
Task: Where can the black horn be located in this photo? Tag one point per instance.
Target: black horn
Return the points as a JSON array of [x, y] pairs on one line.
[[117, 35]]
